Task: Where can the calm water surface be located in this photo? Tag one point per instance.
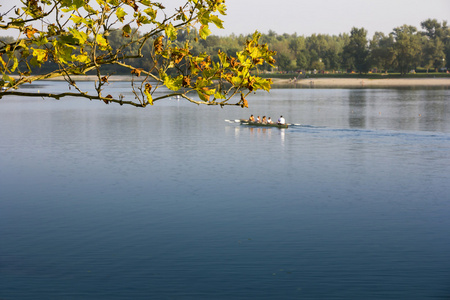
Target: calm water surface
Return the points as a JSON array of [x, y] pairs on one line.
[[172, 202]]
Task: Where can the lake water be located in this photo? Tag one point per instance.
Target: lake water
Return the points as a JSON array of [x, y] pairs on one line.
[[171, 202]]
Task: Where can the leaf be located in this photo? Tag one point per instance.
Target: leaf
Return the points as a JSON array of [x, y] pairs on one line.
[[2, 62], [102, 42], [151, 13], [9, 79], [173, 84], [202, 96], [158, 45], [204, 31], [120, 13], [219, 95], [137, 71], [262, 83], [76, 19], [186, 81], [244, 102], [171, 32], [147, 90], [126, 30], [204, 18], [236, 81], [107, 101], [30, 31], [40, 54], [15, 64], [72, 4], [218, 22], [222, 9], [223, 59], [80, 36]]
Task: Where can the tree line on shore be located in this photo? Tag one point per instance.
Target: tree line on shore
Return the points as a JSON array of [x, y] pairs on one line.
[[405, 48]]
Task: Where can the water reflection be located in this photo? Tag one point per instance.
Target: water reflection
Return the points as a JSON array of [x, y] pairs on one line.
[[357, 109]]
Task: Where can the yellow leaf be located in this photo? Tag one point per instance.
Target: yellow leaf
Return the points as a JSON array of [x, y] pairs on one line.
[[120, 13], [204, 31], [148, 88], [101, 41]]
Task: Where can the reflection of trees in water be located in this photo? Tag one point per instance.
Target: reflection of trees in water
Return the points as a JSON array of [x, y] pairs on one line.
[[357, 109], [432, 114]]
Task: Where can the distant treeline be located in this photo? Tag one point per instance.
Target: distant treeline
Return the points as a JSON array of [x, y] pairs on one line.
[[404, 49]]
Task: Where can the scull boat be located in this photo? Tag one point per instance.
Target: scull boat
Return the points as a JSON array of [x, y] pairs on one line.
[[247, 122]]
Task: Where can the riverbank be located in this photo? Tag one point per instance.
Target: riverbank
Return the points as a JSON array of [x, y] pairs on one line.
[[316, 82], [361, 82]]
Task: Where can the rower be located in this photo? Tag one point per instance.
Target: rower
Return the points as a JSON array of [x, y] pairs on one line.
[[281, 121], [252, 118], [269, 121]]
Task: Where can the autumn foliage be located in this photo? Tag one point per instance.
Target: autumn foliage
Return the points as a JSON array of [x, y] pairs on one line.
[[75, 36]]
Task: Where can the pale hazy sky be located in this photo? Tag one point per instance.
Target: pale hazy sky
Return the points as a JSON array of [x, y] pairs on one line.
[[306, 17]]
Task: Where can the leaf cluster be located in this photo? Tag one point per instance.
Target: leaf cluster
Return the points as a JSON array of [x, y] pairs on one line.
[[81, 37]]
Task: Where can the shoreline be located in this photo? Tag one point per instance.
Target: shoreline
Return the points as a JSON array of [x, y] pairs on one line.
[[312, 82], [361, 82]]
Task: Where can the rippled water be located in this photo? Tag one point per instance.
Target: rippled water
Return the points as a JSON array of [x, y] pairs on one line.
[[172, 202]]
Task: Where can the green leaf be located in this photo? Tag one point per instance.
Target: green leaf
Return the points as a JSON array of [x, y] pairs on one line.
[[64, 53], [204, 31], [41, 40], [80, 36], [217, 21], [204, 18], [151, 13], [72, 4], [120, 13], [222, 9], [9, 79], [76, 19], [173, 84], [171, 32], [34, 62], [223, 59], [202, 96], [262, 83], [219, 95]]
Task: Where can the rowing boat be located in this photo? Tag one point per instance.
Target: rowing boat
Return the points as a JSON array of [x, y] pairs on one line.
[[247, 122]]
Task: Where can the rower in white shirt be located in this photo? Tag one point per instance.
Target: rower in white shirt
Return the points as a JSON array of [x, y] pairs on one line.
[[281, 121]]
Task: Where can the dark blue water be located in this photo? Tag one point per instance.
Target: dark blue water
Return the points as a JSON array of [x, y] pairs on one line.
[[172, 202]]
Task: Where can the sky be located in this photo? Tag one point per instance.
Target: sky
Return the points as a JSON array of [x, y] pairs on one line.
[[306, 17]]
